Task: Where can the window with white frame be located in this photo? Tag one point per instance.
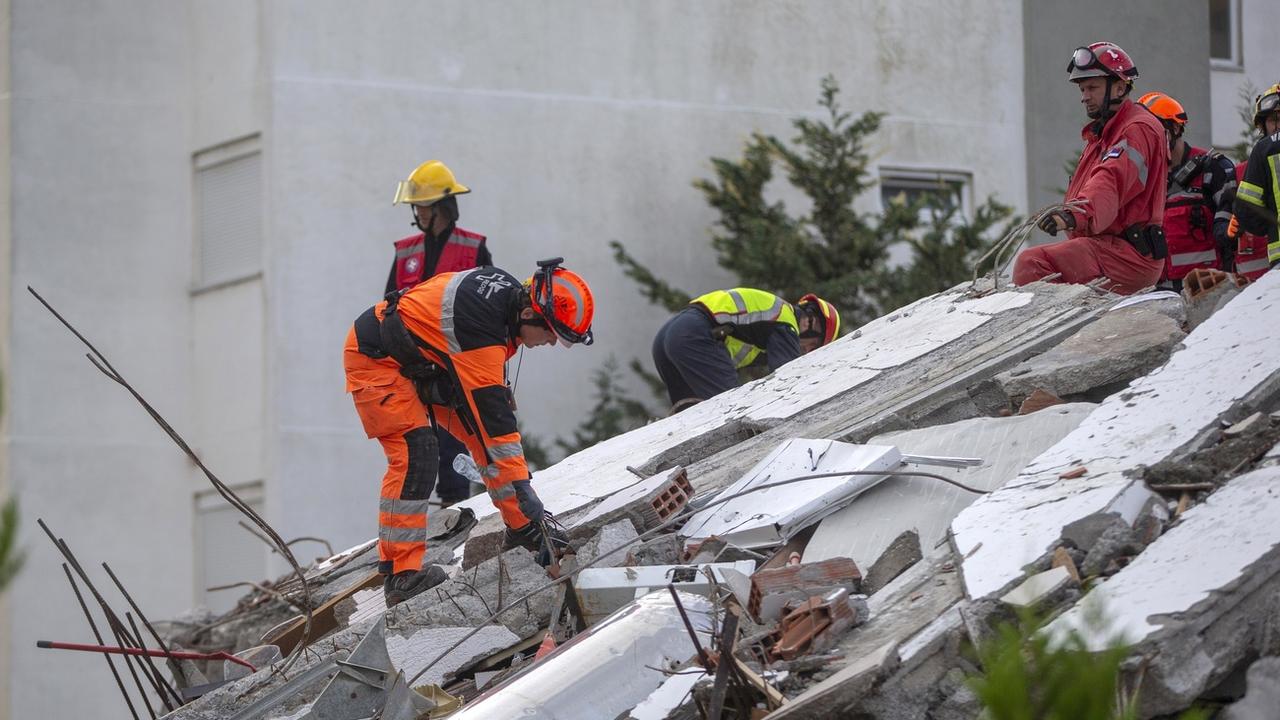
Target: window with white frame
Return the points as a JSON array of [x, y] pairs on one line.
[[226, 553], [228, 213], [1224, 32], [906, 186]]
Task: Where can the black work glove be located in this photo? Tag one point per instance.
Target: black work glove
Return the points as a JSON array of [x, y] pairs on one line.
[[546, 547], [1049, 222]]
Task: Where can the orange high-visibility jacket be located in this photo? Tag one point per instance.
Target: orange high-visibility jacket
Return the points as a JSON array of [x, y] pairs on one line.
[[464, 323]]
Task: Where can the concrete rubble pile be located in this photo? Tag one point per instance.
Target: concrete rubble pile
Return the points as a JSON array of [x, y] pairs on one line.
[[830, 538]]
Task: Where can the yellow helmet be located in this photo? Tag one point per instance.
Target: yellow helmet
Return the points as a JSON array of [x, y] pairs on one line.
[[431, 181]]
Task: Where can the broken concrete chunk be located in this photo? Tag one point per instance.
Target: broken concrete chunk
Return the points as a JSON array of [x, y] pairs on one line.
[[772, 589], [648, 503], [1116, 542], [1262, 698], [1207, 291], [901, 554], [1231, 363], [470, 597], [1191, 603], [829, 697], [1035, 590], [414, 650], [662, 550], [1165, 302], [610, 536], [1098, 360]]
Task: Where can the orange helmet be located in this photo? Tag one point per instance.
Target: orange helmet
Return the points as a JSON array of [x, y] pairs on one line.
[[829, 315], [563, 299], [1165, 108]]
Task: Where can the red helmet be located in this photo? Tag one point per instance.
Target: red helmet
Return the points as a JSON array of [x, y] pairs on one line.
[[827, 313], [1101, 59]]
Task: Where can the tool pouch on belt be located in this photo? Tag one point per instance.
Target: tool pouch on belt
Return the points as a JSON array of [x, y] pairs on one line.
[[433, 383], [1148, 240]]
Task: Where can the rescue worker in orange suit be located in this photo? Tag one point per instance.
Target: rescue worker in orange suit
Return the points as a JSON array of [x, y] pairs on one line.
[[699, 351], [1257, 206], [1198, 196], [432, 191], [1115, 233], [436, 354]]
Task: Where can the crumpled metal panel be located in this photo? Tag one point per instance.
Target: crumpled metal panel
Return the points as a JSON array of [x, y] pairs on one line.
[[770, 517], [604, 671]]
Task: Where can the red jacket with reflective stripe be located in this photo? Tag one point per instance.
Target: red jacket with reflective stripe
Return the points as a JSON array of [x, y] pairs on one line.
[[460, 252], [1121, 174], [1189, 216], [1251, 250]]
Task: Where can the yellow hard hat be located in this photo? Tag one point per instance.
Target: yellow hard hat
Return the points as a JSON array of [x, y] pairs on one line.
[[431, 181]]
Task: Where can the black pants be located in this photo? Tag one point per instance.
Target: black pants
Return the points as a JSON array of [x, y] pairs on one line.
[[453, 486], [692, 363]]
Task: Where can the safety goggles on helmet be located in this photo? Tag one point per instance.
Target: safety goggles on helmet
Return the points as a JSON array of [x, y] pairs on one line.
[[552, 280], [1101, 59], [1266, 104]]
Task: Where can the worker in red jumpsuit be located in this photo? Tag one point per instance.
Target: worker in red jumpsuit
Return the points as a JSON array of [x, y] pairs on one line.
[[1197, 208], [1115, 233], [436, 354]]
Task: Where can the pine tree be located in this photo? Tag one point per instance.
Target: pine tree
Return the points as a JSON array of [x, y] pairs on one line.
[[613, 414]]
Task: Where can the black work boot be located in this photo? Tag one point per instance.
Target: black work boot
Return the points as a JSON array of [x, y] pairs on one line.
[[404, 585]]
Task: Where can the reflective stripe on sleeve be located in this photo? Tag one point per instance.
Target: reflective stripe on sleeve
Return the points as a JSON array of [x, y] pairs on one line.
[[1250, 193], [1135, 157], [446, 309], [506, 450]]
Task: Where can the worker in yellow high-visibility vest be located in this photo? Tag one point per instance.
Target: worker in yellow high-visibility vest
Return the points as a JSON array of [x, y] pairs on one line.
[[699, 351]]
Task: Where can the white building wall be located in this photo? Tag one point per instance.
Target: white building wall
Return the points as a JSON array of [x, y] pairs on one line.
[[100, 114], [1259, 69], [574, 123]]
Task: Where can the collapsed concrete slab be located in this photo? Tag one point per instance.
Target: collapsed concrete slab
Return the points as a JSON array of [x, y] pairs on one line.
[[1102, 358], [913, 363], [864, 529], [605, 671], [1226, 369], [603, 591], [1199, 600]]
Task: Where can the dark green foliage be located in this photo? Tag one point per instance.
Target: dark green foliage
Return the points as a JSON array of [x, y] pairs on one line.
[[943, 253], [832, 250], [1248, 133], [655, 290], [1026, 676], [11, 557]]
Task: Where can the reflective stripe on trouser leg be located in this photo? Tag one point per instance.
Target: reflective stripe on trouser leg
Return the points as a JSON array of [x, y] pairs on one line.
[[402, 510]]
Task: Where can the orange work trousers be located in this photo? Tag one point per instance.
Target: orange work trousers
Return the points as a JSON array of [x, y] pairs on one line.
[[1081, 260], [390, 411]]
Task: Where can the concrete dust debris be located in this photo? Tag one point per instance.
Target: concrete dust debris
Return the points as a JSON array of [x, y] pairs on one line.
[[1037, 588]]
